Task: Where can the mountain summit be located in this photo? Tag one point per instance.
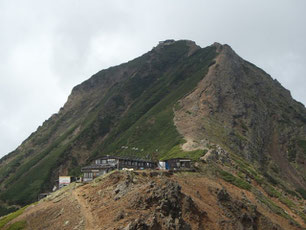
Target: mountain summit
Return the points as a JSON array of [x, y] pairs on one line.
[[177, 100]]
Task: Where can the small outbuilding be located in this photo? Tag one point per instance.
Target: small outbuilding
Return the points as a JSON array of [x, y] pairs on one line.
[[176, 164], [63, 181]]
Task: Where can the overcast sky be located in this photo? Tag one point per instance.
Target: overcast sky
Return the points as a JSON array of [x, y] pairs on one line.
[[47, 47]]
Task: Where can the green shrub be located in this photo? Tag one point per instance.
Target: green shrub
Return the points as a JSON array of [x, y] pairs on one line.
[[302, 192], [272, 206], [248, 170], [302, 145], [19, 225], [272, 192], [4, 210], [235, 180], [302, 215], [287, 202], [291, 153], [292, 193], [270, 179], [11, 216], [176, 151]]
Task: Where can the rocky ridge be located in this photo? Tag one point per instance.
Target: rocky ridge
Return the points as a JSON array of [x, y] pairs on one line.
[[151, 200]]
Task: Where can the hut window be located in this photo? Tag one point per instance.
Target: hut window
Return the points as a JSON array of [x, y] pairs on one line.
[[88, 175]]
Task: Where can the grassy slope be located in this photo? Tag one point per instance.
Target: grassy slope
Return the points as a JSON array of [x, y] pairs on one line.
[[12, 216], [26, 183]]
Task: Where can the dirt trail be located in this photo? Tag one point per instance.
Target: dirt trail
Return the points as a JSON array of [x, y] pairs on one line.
[[90, 223]]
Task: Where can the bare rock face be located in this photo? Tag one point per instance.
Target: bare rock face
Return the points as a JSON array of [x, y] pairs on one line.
[[170, 206]]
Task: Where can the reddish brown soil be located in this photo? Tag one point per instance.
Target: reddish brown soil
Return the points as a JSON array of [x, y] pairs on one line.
[[100, 205]]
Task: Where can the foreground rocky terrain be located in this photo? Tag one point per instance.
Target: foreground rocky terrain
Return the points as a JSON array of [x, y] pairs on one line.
[[155, 200]]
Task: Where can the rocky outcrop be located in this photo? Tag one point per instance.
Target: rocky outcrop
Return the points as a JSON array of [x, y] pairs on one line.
[[216, 154], [170, 205]]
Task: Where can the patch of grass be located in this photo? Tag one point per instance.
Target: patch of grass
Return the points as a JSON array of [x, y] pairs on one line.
[[177, 106], [291, 153], [19, 225], [287, 202], [272, 206], [241, 175], [9, 217], [275, 168], [74, 169], [243, 125], [271, 179], [4, 210], [235, 180], [248, 170], [302, 192], [259, 179], [293, 150], [302, 215], [36, 159], [302, 145], [29, 180], [10, 167], [26, 188], [242, 138], [176, 151], [292, 193], [272, 192]]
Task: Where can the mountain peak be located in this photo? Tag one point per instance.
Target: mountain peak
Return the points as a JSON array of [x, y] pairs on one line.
[[192, 47]]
